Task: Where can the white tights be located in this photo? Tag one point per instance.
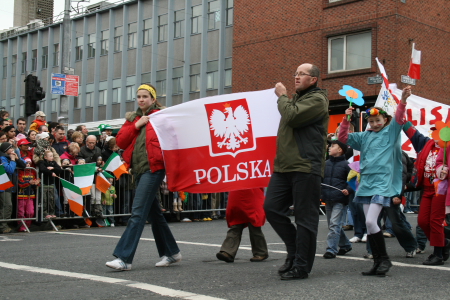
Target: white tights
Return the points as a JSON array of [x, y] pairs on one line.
[[372, 211]]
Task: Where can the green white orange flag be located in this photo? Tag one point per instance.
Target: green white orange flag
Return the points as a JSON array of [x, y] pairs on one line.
[[74, 196], [5, 183], [84, 177], [102, 183], [115, 165]]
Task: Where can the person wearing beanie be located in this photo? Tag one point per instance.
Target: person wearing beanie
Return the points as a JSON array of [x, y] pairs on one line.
[[335, 192], [10, 160]]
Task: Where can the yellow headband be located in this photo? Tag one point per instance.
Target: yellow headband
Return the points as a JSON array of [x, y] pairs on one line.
[[149, 89]]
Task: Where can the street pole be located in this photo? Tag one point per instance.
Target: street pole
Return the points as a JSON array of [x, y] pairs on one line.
[[64, 100]]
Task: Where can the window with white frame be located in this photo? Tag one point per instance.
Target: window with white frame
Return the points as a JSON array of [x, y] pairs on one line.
[[102, 97], [196, 21], [79, 48], [194, 77], [162, 28], [24, 62], [118, 32], [212, 75], [161, 83], [213, 15], [177, 80], [104, 42], [116, 95], [13, 64], [89, 101], [179, 24], [147, 32], [44, 57], [56, 55], [91, 45], [130, 93], [230, 12], [132, 35], [33, 60], [228, 73], [350, 52]]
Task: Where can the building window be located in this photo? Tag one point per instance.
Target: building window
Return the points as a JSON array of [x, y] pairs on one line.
[[44, 57], [5, 66], [13, 64], [53, 104], [56, 55], [42, 105], [76, 102], [79, 48], [116, 95], [118, 32], [91, 46], [177, 80], [24, 62], [33, 60], [130, 93], [102, 97], [213, 15], [179, 24], [230, 12], [196, 19], [194, 76], [89, 99], [162, 28], [147, 32], [132, 29], [161, 83], [350, 52], [212, 75], [146, 78], [104, 42], [228, 73]]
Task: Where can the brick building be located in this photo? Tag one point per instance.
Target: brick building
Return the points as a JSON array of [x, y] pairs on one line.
[[342, 37]]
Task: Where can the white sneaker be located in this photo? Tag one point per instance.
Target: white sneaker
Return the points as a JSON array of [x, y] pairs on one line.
[[118, 264], [355, 239], [166, 261], [364, 239], [112, 225]]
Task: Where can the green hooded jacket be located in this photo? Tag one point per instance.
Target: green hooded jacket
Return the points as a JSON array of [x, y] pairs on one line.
[[302, 133]]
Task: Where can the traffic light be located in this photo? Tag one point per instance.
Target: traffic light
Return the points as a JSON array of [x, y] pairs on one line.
[[33, 94]]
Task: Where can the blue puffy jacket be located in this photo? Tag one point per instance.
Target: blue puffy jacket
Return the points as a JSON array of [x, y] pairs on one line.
[[336, 172]]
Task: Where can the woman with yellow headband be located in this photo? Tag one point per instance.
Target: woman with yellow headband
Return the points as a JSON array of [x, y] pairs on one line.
[[143, 154]]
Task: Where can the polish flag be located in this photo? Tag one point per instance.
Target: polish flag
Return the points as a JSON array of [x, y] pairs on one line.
[[219, 143], [414, 65]]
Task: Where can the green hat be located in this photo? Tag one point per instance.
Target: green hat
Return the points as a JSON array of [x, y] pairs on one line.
[[103, 127]]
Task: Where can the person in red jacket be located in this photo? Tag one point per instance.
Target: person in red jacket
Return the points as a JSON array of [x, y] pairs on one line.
[[143, 153]]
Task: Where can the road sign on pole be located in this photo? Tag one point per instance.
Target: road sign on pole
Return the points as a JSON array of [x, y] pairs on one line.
[[63, 84], [408, 80]]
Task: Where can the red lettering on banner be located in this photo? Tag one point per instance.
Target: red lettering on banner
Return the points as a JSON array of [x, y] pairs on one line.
[[435, 112], [407, 146], [422, 116], [448, 116], [410, 117]]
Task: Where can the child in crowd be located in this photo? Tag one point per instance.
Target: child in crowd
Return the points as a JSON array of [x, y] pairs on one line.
[[381, 171], [27, 194], [108, 201], [50, 169], [81, 161], [336, 172]]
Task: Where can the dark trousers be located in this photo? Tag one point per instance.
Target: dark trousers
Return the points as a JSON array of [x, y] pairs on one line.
[[359, 220], [400, 227], [233, 240], [302, 190]]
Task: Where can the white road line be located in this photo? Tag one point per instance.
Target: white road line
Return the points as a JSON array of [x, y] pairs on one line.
[[128, 283], [249, 248]]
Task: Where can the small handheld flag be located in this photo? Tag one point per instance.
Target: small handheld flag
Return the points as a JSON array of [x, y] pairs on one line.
[[414, 64]]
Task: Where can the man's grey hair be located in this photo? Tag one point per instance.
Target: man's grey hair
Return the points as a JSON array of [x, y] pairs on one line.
[[314, 71]]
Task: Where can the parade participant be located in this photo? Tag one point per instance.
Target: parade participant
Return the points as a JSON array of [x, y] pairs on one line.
[[381, 171], [298, 170], [245, 207], [143, 153]]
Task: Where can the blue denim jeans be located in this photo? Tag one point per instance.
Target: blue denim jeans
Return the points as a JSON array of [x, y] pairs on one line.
[[145, 204], [336, 213], [359, 220]]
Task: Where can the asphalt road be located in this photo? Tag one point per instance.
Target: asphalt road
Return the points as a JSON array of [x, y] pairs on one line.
[[71, 265]]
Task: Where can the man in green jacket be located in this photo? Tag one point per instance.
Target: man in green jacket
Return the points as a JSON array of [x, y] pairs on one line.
[[298, 170]]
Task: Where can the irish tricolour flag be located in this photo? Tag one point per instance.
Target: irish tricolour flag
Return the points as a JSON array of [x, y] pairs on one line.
[[5, 183], [74, 196], [84, 177], [220, 143], [101, 183], [115, 165]]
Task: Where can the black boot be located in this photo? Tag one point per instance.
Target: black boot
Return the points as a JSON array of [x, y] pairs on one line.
[[385, 262], [376, 258]]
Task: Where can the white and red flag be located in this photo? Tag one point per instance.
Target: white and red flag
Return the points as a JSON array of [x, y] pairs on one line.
[[220, 143], [414, 64]]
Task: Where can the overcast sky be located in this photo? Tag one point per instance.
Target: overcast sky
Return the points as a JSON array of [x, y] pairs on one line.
[[7, 10]]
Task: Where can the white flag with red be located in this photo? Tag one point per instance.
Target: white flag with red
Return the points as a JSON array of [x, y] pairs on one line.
[[220, 143], [414, 64]]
